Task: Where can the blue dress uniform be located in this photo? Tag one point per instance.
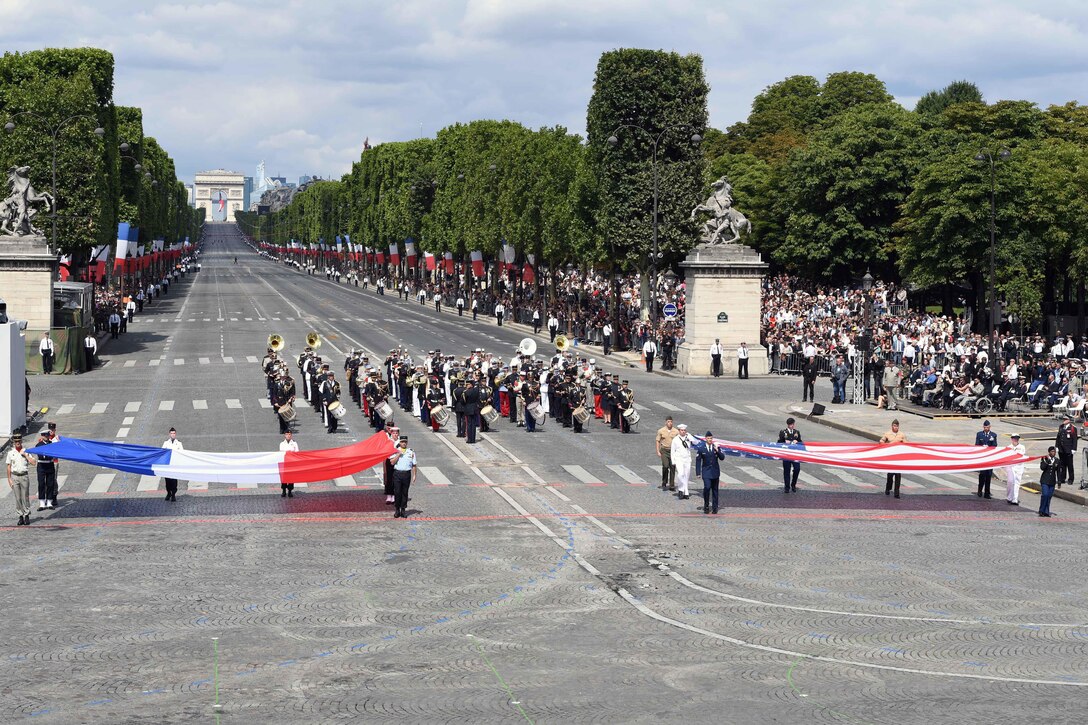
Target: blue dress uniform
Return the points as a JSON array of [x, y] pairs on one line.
[[985, 437], [790, 469], [707, 455]]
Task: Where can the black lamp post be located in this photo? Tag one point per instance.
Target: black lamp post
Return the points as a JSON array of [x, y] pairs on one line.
[[655, 255], [985, 157], [54, 132]]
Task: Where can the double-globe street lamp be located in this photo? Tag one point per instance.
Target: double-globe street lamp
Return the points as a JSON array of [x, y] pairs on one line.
[[985, 157], [54, 133], [655, 140]]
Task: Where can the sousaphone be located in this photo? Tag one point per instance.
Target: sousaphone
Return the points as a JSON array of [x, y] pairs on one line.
[[313, 340], [527, 347], [562, 344]]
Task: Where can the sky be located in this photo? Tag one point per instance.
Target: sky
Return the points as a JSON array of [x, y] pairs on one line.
[[301, 84]]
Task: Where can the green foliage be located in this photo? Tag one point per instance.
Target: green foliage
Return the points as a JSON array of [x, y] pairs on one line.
[[934, 103], [665, 95], [130, 130]]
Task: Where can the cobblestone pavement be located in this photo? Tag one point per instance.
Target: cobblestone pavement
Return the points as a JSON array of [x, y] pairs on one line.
[[540, 578]]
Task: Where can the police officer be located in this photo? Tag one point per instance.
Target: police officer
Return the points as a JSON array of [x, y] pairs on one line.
[[985, 437], [404, 475], [471, 399], [47, 470], [790, 469]]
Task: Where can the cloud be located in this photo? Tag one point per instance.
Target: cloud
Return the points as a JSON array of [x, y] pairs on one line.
[[301, 83]]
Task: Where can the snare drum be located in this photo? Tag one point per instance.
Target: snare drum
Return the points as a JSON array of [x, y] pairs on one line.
[[581, 414], [489, 414], [336, 410], [385, 410], [287, 412], [440, 415], [537, 411], [632, 416]]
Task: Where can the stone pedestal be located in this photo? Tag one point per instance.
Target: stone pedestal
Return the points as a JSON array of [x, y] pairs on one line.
[[724, 295], [27, 271]]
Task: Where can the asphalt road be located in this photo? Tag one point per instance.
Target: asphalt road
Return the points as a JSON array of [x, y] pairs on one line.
[[541, 578]]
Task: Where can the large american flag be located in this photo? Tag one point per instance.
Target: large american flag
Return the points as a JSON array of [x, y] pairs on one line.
[[884, 458]]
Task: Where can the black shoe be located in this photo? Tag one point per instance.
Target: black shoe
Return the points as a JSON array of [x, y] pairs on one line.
[[174, 497], [706, 509], [986, 495], [167, 497], [888, 492], [404, 513], [713, 511], [41, 508], [290, 494], [793, 488], [21, 521], [1015, 503], [283, 494], [52, 505], [897, 495], [786, 490], [979, 494]]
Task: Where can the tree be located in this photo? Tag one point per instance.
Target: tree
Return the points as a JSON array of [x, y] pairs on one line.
[[932, 104], [847, 89], [665, 95]]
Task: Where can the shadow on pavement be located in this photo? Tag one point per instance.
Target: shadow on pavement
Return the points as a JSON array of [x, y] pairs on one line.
[[303, 503], [875, 501]]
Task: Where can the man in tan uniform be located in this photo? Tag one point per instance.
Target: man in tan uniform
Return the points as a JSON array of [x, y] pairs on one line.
[[893, 436], [663, 442]]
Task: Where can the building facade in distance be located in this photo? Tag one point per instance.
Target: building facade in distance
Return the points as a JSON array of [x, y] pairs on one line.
[[221, 193]]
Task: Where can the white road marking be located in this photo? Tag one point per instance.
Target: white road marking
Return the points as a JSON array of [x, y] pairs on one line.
[[667, 406], [731, 409], [252, 358], [940, 481], [727, 479], [179, 361], [133, 407], [61, 480], [200, 405], [849, 478], [122, 433], [757, 475], [166, 405], [698, 408], [130, 363], [198, 485], [154, 363], [581, 474], [265, 403], [533, 474], [810, 480], [626, 474], [434, 476], [228, 360], [248, 484], [458, 453], [101, 482], [482, 475], [148, 483], [757, 409], [65, 409], [99, 408], [128, 420], [345, 481], [249, 319], [491, 440], [234, 403], [204, 361], [558, 493]]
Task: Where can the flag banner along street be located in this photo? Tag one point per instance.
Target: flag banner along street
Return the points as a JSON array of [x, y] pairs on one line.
[[884, 458]]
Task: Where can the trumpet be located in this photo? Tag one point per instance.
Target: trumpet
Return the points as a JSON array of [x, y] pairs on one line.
[[313, 340], [562, 344], [275, 342]]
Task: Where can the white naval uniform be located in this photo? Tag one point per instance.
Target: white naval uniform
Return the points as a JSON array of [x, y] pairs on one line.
[[1014, 475], [681, 459]]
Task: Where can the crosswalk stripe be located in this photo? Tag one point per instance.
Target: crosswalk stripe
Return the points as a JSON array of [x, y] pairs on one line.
[[757, 474], [179, 361], [811, 480], [204, 361], [200, 405], [198, 485], [698, 408], [434, 476], [234, 403], [729, 480], [265, 403], [130, 363], [667, 406], [166, 405], [247, 484], [757, 409], [349, 481], [581, 474], [133, 407], [228, 359], [61, 480], [154, 363], [626, 474], [101, 482], [148, 483], [731, 409], [850, 478], [99, 408], [251, 358], [249, 319], [122, 433], [234, 319], [65, 409], [940, 481]]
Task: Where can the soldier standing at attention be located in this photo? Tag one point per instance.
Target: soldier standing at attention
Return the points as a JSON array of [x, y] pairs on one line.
[[18, 466], [790, 469], [288, 444], [663, 443], [985, 437]]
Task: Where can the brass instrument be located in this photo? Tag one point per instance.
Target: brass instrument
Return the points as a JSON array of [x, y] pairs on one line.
[[313, 340], [275, 342], [562, 344], [527, 347]]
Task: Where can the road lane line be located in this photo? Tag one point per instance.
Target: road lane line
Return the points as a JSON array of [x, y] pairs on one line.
[[731, 409], [492, 441], [626, 474], [458, 453], [667, 406], [200, 405], [434, 476], [234, 403], [698, 408], [581, 474]]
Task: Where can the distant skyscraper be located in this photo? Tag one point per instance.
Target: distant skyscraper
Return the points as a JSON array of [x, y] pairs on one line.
[[247, 192], [304, 180]]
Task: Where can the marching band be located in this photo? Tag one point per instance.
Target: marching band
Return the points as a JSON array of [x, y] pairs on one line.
[[475, 391]]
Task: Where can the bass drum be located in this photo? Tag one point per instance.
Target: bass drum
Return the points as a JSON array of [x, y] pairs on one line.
[[336, 410], [440, 415], [489, 414], [287, 412], [581, 414], [537, 411], [632, 416], [385, 410]]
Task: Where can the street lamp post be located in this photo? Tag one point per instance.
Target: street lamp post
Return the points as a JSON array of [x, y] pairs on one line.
[[656, 255], [985, 157], [54, 132], [862, 351]]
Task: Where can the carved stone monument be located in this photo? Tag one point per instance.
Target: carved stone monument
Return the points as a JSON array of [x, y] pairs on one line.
[[27, 266], [724, 291]]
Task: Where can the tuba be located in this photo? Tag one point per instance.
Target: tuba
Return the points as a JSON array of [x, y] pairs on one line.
[[562, 344], [313, 340], [527, 347], [275, 342]]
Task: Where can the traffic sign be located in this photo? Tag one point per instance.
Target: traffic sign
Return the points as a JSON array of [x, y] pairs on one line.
[[669, 310]]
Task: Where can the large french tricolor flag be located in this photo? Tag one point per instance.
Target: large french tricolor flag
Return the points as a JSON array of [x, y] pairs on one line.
[[477, 264], [267, 467], [886, 458]]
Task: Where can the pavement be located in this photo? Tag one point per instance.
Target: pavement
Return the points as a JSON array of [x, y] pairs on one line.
[[540, 578]]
